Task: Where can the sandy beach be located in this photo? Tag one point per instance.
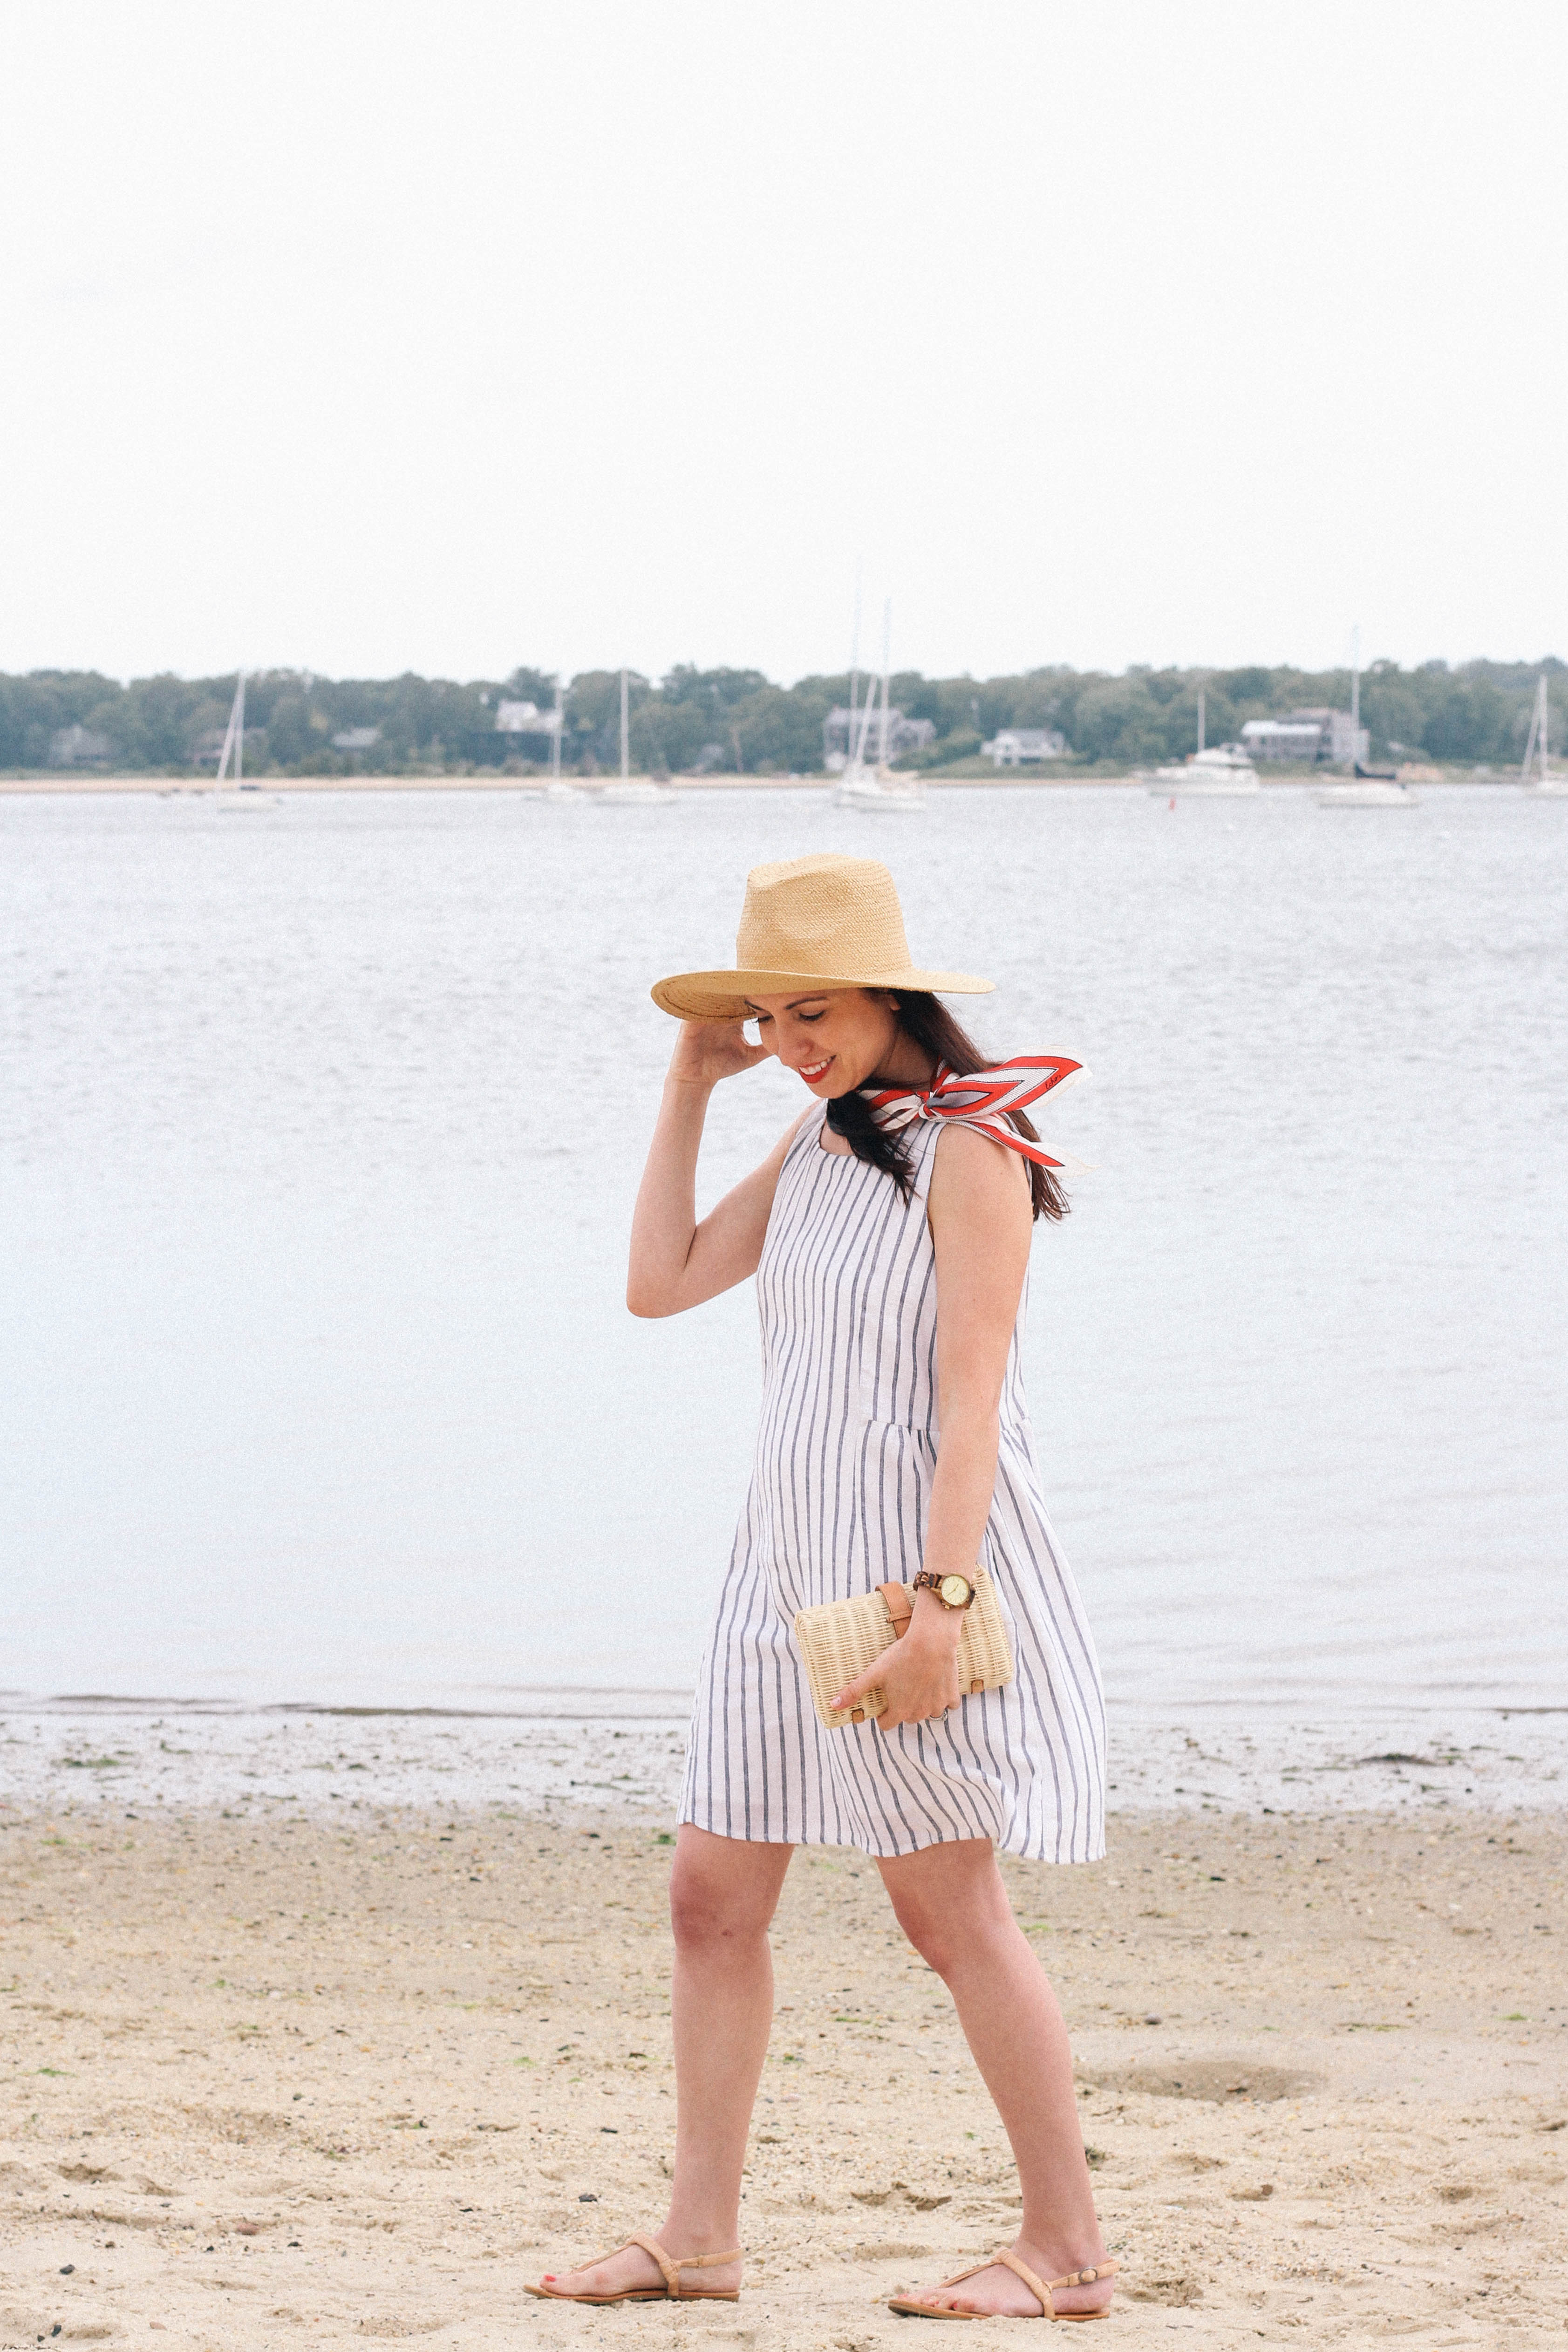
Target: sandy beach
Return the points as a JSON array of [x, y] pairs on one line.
[[290, 2078]]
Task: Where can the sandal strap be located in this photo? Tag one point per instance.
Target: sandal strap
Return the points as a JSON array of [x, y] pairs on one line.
[[972, 2272], [1036, 2286], [1086, 2278], [1042, 2290], [652, 2248], [672, 2266]]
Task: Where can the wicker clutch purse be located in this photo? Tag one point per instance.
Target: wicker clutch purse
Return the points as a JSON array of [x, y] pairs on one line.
[[839, 1639]]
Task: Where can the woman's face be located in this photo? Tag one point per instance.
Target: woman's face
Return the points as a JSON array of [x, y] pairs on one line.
[[835, 1039]]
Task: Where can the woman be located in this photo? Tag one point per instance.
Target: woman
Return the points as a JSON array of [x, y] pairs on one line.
[[890, 1230]]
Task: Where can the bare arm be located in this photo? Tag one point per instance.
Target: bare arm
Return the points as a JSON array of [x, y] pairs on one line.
[[676, 1262], [981, 1227]]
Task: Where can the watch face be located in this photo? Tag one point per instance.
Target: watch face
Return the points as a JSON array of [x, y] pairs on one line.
[[954, 1591]]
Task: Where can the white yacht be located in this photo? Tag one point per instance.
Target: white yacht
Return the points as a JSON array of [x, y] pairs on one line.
[[880, 792], [637, 792], [1367, 792], [1538, 755], [1224, 773]]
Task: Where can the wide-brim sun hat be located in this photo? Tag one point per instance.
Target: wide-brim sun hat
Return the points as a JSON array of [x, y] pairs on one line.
[[812, 922]]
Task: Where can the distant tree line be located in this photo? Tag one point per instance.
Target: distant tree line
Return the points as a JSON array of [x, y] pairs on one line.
[[737, 719]]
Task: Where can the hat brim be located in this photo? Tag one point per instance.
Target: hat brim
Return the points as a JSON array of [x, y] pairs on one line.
[[722, 995]]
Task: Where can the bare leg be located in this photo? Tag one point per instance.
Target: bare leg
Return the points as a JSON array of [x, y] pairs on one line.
[[722, 1895], [952, 1906]]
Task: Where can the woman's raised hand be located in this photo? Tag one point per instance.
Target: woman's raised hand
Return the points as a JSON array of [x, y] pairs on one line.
[[707, 1051]]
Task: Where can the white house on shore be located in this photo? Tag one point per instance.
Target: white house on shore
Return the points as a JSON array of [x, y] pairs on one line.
[[1014, 746], [1319, 736], [79, 747], [525, 718]]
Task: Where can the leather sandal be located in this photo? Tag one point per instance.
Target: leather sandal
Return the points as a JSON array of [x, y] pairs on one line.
[[910, 2307], [671, 2291]]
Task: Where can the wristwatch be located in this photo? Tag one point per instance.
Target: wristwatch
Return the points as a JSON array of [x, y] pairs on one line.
[[953, 1592]]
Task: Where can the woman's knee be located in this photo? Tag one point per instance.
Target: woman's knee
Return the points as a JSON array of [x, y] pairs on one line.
[[950, 1917], [720, 1897], [941, 1938]]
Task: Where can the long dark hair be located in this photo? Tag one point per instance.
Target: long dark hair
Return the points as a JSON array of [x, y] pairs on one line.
[[926, 1021]]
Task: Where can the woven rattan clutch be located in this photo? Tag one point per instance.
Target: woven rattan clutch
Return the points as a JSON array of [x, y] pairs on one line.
[[839, 1639]]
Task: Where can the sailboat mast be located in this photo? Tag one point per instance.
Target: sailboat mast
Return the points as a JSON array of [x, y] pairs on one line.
[[625, 733], [1533, 737], [233, 737], [853, 668], [1200, 718], [1355, 696], [555, 737], [887, 667]]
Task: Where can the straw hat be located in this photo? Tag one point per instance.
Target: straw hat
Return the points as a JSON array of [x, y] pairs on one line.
[[812, 922]]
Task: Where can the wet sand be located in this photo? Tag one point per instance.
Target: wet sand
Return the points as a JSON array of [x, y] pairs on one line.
[[292, 2079]]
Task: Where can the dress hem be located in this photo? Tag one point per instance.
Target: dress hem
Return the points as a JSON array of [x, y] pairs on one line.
[[1024, 1850]]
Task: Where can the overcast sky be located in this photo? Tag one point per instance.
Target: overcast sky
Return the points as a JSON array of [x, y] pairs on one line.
[[444, 337]]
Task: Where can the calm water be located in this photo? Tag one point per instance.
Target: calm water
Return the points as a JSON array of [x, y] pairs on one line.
[[321, 1126]]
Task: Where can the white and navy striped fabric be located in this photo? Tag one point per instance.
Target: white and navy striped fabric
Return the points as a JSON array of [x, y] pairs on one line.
[[840, 1490]]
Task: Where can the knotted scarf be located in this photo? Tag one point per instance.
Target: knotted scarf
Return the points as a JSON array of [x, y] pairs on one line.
[[982, 1100]]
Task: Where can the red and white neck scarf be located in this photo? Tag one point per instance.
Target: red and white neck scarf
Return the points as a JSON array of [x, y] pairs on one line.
[[982, 1100]]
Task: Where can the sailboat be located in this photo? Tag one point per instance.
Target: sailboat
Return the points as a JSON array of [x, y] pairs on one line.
[[557, 790], [1223, 773], [1366, 787], [881, 791], [639, 792], [1544, 782], [233, 747]]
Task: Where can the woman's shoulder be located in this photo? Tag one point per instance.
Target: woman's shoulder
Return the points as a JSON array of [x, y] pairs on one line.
[[975, 1174]]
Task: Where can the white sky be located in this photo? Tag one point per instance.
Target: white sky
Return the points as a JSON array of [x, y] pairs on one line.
[[368, 337]]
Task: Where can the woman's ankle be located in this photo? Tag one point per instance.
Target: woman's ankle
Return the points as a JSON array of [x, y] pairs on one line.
[[1054, 2252], [685, 2233]]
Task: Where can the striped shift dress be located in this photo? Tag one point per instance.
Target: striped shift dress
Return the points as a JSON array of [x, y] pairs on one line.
[[838, 1501]]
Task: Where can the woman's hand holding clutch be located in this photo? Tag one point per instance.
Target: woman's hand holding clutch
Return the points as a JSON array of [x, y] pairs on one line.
[[918, 1674]]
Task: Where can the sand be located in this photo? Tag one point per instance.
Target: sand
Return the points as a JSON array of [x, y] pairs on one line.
[[305, 2080]]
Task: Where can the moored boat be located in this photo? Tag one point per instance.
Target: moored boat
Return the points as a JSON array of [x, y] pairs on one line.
[[881, 791], [1222, 773], [637, 792], [1536, 772], [1364, 790]]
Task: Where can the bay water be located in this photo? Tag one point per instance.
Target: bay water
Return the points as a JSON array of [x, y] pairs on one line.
[[322, 1120]]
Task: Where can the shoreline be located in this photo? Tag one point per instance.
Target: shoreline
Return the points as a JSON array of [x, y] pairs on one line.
[[167, 787], [180, 787], [367, 2077], [556, 1747]]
